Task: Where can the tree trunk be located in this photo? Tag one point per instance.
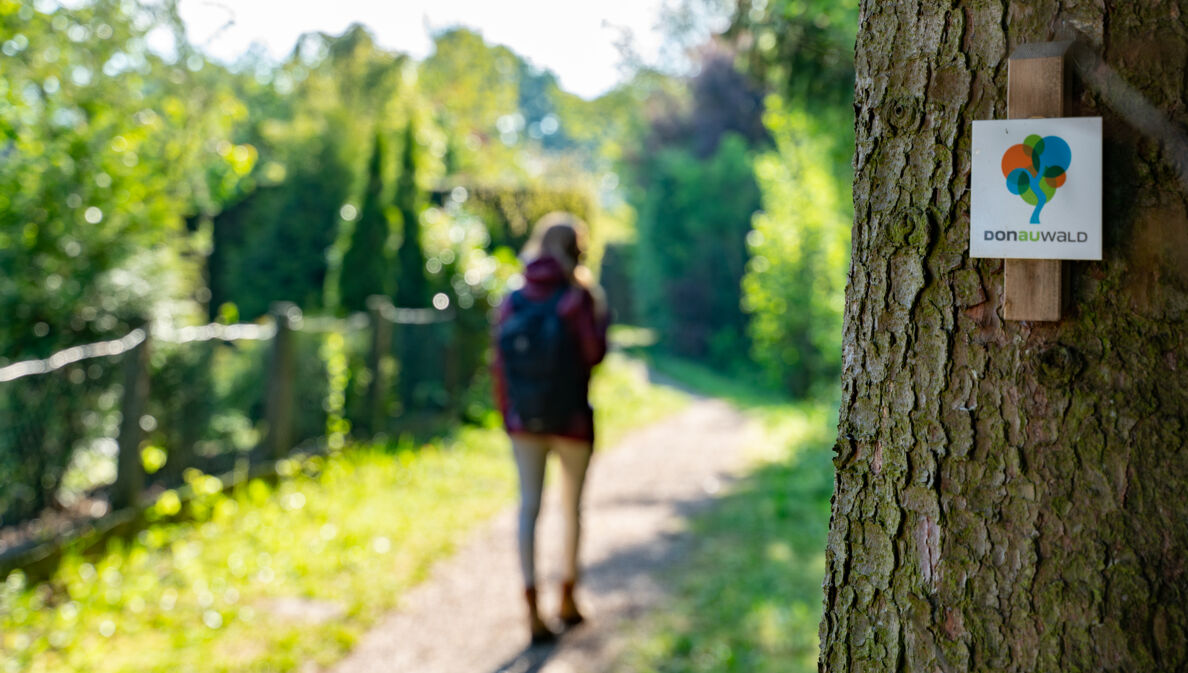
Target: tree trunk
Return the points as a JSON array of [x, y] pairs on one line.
[[1011, 496]]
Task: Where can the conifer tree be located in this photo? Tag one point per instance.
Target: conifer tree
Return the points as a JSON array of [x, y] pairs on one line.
[[411, 286], [364, 262]]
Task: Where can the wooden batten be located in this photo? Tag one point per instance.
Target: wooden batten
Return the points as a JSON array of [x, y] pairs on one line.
[[1037, 86]]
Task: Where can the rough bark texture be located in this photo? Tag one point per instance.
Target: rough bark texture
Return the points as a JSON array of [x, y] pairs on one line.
[[1012, 496]]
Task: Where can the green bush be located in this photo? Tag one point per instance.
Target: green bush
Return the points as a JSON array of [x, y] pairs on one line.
[[691, 251], [795, 281]]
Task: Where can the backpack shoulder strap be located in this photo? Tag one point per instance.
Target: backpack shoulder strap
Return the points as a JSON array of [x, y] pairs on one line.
[[555, 298], [519, 300]]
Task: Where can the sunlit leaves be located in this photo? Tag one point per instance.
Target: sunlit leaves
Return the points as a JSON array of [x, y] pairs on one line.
[[803, 49], [793, 289], [103, 142], [152, 458]]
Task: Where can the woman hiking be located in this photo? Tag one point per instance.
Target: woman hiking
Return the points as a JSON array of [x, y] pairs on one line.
[[549, 335]]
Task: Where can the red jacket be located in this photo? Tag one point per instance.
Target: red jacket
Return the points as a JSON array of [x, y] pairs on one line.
[[542, 278]]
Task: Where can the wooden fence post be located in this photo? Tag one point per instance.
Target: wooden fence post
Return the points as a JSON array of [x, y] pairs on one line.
[[452, 367], [1037, 86], [279, 404], [129, 483], [403, 339], [379, 309]]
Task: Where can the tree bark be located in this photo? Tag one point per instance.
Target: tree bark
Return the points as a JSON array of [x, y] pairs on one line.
[[1011, 496]]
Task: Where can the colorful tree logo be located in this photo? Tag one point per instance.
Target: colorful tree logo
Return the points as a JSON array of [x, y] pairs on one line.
[[1035, 169]]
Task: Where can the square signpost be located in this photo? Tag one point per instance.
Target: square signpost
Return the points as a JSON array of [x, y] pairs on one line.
[[1019, 168]]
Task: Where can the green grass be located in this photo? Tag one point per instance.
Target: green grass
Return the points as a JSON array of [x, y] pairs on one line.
[[748, 595], [345, 534], [739, 391]]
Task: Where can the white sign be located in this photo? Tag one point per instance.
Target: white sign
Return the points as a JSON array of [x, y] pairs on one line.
[[1036, 189]]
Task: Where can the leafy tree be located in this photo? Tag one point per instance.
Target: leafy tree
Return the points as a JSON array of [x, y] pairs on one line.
[[609, 128], [723, 101], [474, 90], [289, 229], [364, 265], [802, 49], [314, 120], [105, 149], [538, 91]]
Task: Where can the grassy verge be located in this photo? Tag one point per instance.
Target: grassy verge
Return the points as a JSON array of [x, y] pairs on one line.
[[272, 577], [748, 596]]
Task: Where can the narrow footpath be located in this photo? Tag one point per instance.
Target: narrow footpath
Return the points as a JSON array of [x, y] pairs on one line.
[[467, 617]]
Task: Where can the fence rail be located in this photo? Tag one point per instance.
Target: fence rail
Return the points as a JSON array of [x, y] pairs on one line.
[[213, 331], [72, 355], [307, 379]]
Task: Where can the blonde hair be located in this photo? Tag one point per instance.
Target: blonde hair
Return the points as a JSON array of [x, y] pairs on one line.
[[559, 235], [562, 236]]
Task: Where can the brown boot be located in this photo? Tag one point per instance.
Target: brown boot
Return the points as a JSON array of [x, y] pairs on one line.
[[538, 630], [568, 613]]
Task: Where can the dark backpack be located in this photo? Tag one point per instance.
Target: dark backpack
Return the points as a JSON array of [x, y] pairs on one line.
[[541, 364]]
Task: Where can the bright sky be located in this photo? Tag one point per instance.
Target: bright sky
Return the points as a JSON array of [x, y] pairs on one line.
[[573, 38]]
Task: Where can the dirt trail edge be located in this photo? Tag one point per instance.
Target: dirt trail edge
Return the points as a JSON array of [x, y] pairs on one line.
[[467, 617]]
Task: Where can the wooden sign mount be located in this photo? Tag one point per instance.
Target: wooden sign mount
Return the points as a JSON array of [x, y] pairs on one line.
[[1037, 86]]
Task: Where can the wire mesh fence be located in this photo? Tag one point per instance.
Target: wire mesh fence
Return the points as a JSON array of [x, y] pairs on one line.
[[95, 427], [55, 425]]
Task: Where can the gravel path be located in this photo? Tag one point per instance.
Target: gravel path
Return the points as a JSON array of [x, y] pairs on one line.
[[468, 616]]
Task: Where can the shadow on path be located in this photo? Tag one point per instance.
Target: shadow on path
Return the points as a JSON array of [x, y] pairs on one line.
[[531, 660]]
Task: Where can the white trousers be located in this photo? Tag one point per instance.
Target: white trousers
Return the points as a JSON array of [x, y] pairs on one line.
[[531, 453]]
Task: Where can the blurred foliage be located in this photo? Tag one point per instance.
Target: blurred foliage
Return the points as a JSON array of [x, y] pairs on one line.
[[721, 100], [474, 90], [618, 264], [409, 261], [800, 53], [691, 255], [316, 118], [795, 281], [144, 182], [364, 260], [695, 192], [801, 49], [106, 146]]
